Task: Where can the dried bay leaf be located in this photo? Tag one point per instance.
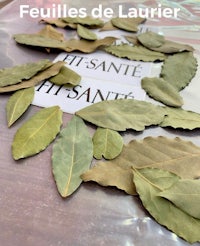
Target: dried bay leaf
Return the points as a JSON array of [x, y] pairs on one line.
[[174, 155], [59, 23], [85, 33], [66, 76], [132, 39], [13, 75], [107, 143], [162, 91], [151, 39], [50, 32], [86, 21], [185, 194], [37, 133], [127, 24], [18, 104], [149, 183], [47, 73], [158, 43], [108, 26], [72, 156], [39, 41], [66, 45], [109, 174], [87, 46], [123, 114], [173, 47], [179, 118], [137, 53], [179, 69]]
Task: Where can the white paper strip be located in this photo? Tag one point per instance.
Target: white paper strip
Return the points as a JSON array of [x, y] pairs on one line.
[[104, 77]]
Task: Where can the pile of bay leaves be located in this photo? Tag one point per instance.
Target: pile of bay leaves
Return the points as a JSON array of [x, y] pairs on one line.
[[163, 172]]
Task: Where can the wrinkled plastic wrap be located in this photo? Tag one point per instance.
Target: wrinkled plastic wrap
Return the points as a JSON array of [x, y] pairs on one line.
[[31, 210]]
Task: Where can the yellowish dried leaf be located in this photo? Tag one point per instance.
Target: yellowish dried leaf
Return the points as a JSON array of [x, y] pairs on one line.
[[47, 73]]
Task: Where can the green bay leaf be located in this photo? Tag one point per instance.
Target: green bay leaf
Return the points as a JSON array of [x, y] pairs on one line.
[[162, 91], [127, 24], [149, 183], [39, 41], [85, 33], [185, 194], [18, 104], [180, 118], [156, 42], [151, 40], [72, 156], [123, 114], [86, 21], [107, 143], [37, 133], [109, 174], [179, 69], [59, 23], [35, 80], [14, 75], [137, 53], [82, 45], [66, 76]]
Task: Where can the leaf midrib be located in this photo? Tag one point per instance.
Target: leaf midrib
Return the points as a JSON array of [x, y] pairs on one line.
[[171, 160], [39, 129], [15, 107], [72, 163]]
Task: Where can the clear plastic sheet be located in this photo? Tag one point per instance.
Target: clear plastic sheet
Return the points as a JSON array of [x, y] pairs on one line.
[[31, 210]]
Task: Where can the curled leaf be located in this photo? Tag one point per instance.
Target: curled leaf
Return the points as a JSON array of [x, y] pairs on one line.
[[132, 39], [123, 114], [87, 46], [39, 41], [151, 39], [18, 104], [47, 73], [149, 183], [162, 91], [88, 21], [108, 26], [72, 156], [85, 33], [50, 32], [109, 174], [66, 45], [158, 43], [66, 76], [180, 118], [179, 69], [127, 24], [185, 194], [14, 75], [37, 133], [137, 53], [107, 143], [59, 23]]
